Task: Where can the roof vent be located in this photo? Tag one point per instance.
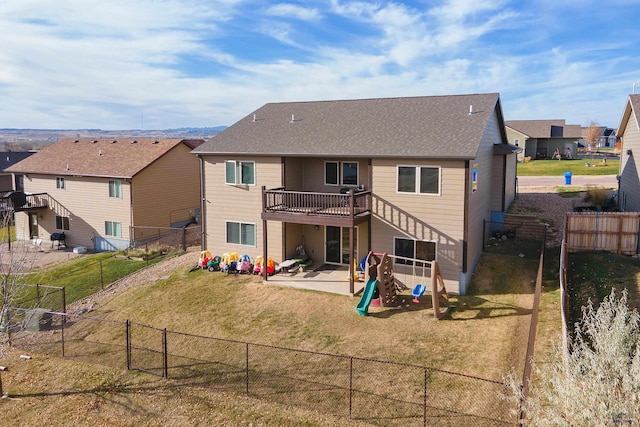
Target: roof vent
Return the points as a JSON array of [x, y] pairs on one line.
[[134, 142], [156, 142], [293, 119], [114, 141], [254, 118], [95, 141], [99, 152], [471, 112], [76, 141], [67, 166]]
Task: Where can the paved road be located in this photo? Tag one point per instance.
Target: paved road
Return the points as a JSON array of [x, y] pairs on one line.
[[576, 180]]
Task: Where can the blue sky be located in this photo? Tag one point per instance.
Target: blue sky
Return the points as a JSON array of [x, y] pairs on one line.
[[157, 64]]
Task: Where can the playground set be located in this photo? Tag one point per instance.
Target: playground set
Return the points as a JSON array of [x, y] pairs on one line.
[[381, 285]]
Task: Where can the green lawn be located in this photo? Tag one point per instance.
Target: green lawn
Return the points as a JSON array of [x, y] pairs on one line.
[[576, 167]]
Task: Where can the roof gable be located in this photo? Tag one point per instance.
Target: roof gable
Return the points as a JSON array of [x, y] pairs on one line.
[[436, 126], [555, 128], [122, 158], [632, 110]]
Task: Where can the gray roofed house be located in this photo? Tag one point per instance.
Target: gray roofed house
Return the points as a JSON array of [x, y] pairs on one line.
[[629, 177], [539, 139], [7, 159], [415, 177]]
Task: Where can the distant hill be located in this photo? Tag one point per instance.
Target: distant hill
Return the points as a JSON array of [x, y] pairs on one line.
[[27, 139]]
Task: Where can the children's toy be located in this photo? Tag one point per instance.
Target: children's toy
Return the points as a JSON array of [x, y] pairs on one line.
[[298, 263], [214, 263], [229, 262], [244, 264], [203, 260], [417, 292]]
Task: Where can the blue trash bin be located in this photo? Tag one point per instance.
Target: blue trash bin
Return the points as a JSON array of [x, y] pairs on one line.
[[567, 178]]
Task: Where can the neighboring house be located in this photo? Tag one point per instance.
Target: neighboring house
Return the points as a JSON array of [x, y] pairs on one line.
[[417, 177], [539, 139], [629, 179], [607, 137], [96, 191], [9, 181]]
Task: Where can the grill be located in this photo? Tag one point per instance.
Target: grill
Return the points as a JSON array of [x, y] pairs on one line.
[[60, 238]]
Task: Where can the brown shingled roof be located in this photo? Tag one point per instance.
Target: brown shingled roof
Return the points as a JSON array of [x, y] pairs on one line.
[[122, 158], [431, 126]]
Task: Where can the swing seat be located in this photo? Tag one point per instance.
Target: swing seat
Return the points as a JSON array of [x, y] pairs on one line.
[[418, 291]]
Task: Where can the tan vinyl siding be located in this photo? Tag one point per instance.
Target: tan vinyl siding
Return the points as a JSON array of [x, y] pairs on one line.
[[240, 203], [510, 184], [308, 174], [489, 188], [167, 191], [629, 167], [512, 136], [438, 218], [85, 200]]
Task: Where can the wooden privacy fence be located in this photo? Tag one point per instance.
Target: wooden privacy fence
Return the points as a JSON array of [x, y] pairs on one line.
[[604, 231]]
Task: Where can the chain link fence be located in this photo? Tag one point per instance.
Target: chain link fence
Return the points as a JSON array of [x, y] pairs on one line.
[[374, 391]]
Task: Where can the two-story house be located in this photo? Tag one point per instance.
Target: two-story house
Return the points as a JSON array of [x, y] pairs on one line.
[[416, 177], [629, 177], [102, 193]]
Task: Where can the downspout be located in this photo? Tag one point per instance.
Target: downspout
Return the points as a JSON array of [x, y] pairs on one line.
[[131, 224], [203, 234], [465, 234]]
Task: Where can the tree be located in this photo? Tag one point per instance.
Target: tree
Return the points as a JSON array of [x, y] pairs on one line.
[[597, 381], [592, 135]]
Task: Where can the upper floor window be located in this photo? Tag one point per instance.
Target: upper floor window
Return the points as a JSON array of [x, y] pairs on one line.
[[115, 189], [419, 179], [341, 173], [415, 249], [60, 182], [62, 222], [240, 172], [516, 142]]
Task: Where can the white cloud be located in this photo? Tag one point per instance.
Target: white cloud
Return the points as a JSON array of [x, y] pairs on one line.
[[292, 11]]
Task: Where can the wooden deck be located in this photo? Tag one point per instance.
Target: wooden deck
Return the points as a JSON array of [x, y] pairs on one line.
[[340, 209]]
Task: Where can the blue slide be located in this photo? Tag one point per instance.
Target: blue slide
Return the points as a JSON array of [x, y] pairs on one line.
[[363, 306]]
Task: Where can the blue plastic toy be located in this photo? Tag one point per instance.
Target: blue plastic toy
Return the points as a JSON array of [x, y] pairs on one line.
[[417, 292]]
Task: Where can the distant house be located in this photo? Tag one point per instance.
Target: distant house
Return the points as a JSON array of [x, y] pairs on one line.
[[629, 179], [606, 138], [97, 191], [416, 177], [539, 139], [9, 181]]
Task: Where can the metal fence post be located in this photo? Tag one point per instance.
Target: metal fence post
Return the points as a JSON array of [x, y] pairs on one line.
[[247, 367], [62, 321], [165, 358], [350, 387], [128, 343], [424, 403]]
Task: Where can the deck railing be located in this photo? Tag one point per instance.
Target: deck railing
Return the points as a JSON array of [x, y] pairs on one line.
[[312, 203], [19, 201]]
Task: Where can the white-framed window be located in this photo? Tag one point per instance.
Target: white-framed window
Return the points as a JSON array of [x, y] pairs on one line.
[[60, 183], [241, 233], [112, 228], [411, 248], [341, 173], [115, 189], [516, 142], [419, 179], [62, 222], [240, 173]]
